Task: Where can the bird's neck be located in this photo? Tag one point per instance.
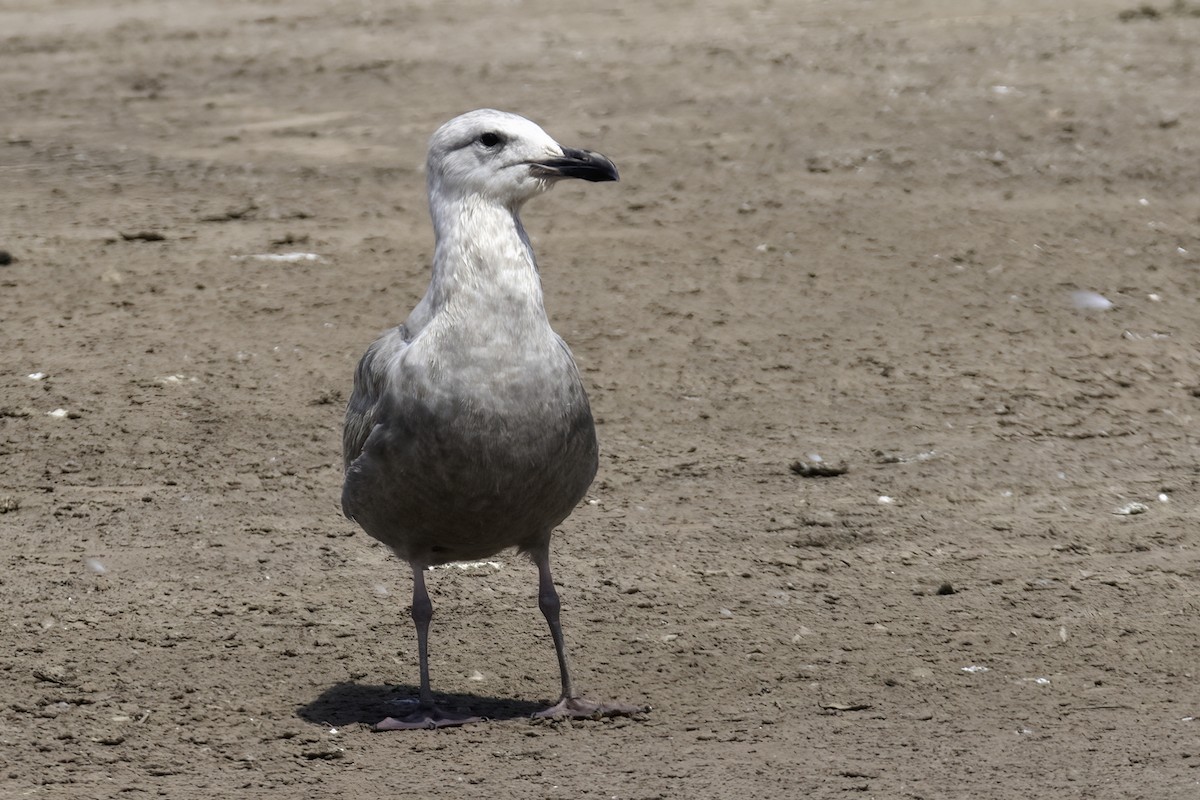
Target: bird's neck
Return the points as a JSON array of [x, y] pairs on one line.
[[483, 261]]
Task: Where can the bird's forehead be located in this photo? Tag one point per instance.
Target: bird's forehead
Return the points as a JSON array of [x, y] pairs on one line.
[[468, 126]]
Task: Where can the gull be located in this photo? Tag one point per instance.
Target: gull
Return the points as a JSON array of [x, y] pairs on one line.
[[468, 431]]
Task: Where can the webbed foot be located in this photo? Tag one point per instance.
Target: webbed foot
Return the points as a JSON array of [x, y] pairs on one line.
[[580, 708], [428, 718]]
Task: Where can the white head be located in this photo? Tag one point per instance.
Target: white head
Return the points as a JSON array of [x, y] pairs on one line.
[[505, 159]]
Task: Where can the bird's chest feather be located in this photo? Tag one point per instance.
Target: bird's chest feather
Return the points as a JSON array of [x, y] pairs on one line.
[[493, 400], [480, 445]]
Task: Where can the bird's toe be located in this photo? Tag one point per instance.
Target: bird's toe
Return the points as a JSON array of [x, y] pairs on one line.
[[581, 708], [426, 718]]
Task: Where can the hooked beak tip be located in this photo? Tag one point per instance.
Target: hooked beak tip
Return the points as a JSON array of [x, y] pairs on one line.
[[583, 164]]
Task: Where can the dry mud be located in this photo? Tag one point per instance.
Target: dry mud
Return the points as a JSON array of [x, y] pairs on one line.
[[848, 229]]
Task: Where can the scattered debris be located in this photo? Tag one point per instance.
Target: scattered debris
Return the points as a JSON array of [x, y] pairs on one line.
[[896, 458], [468, 565], [816, 467], [1090, 301], [854, 773], [288, 258], [175, 380], [844, 706]]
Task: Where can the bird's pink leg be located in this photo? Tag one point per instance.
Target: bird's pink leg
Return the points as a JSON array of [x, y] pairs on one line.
[[427, 714], [569, 704]]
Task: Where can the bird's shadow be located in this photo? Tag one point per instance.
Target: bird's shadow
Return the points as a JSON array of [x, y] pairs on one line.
[[348, 703]]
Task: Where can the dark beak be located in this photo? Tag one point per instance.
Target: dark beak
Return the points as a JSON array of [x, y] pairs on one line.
[[576, 164]]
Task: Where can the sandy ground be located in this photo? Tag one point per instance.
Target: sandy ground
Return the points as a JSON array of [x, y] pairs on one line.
[[847, 229]]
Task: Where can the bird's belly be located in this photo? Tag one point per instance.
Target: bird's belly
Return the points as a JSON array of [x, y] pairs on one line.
[[463, 474]]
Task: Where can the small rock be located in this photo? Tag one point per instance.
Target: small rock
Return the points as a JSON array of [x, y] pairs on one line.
[[324, 753], [818, 469]]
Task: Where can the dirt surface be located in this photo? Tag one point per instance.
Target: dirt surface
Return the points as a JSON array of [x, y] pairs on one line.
[[848, 229]]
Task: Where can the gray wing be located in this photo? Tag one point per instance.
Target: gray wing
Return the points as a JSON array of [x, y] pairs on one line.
[[370, 385]]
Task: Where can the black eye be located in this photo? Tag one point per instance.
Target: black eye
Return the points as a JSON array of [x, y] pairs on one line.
[[490, 139]]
